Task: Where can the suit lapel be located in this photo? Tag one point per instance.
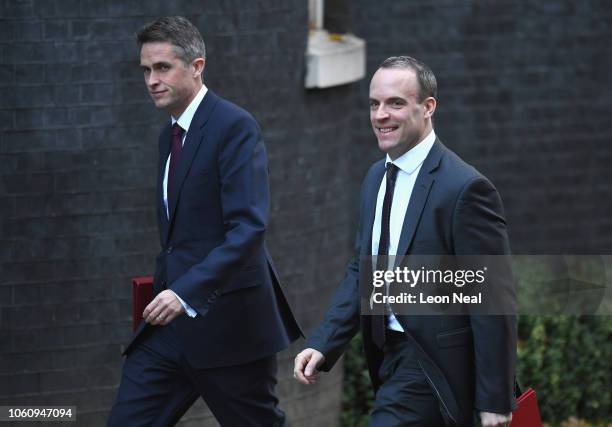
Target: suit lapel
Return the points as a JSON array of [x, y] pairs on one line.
[[193, 140], [418, 198], [164, 151], [371, 195]]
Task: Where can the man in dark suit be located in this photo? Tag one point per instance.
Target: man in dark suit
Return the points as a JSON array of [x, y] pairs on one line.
[[218, 316], [421, 200]]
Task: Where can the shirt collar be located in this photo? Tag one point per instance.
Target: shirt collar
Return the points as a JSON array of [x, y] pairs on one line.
[[413, 158], [185, 119]]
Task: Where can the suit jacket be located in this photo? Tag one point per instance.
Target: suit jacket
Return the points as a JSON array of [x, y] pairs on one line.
[[213, 253], [469, 360]]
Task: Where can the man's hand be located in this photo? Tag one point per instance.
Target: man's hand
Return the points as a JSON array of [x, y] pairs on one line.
[[489, 419], [163, 309], [306, 364]]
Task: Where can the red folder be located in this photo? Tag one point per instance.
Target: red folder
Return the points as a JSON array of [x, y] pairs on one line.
[[527, 413], [142, 294]]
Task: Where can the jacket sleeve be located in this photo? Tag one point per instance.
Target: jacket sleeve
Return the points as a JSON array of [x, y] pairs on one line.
[[342, 318], [479, 228]]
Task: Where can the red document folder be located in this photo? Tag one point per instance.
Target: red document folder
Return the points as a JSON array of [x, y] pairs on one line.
[[142, 294], [527, 413]]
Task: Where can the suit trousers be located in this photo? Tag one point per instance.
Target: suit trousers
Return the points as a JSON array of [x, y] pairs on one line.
[[405, 397], [158, 386]]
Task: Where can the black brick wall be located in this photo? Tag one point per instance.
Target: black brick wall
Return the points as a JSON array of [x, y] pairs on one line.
[[524, 95], [78, 154]]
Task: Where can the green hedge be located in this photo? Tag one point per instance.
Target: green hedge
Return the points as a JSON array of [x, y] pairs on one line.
[[567, 360], [357, 396]]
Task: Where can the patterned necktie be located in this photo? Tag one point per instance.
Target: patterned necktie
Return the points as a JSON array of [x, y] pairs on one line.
[[379, 321], [175, 156]]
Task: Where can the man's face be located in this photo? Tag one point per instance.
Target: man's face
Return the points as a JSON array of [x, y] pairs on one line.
[[399, 121], [172, 84]]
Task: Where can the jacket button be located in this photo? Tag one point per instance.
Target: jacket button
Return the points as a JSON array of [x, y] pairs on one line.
[[169, 250]]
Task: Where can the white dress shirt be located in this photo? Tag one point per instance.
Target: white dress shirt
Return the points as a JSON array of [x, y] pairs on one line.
[[409, 165], [184, 121]]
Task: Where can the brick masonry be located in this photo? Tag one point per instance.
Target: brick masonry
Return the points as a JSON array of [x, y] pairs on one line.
[[524, 96]]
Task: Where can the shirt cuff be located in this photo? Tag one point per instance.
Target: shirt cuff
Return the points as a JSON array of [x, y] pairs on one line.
[[190, 311], [494, 418]]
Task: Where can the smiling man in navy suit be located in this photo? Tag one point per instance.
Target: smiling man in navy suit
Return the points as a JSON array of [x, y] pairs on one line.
[[218, 316], [422, 199]]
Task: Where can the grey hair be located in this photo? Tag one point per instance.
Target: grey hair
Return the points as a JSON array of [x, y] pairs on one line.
[[178, 31], [427, 81]]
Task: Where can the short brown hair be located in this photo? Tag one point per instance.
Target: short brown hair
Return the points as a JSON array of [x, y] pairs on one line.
[[178, 31], [427, 81]]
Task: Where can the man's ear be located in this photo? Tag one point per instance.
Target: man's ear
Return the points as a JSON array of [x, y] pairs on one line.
[[430, 106], [198, 67]]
